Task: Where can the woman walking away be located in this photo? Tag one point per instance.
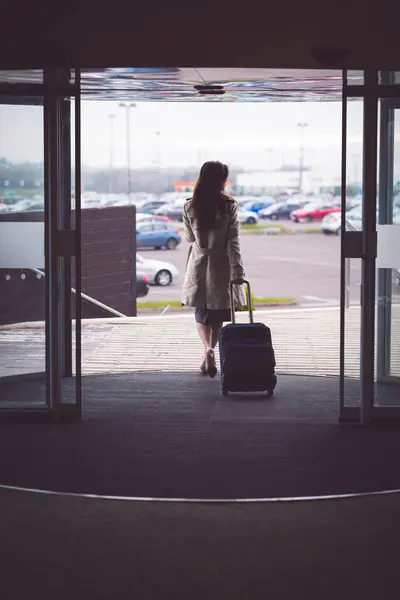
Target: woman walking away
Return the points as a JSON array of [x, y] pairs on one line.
[[211, 226]]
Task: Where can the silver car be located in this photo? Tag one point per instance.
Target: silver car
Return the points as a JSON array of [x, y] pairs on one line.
[[247, 217], [158, 272]]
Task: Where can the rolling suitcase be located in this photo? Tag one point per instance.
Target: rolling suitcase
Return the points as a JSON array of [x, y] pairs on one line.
[[246, 354]]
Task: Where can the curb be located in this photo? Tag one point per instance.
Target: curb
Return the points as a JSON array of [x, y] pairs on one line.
[[278, 231], [273, 231], [184, 311]]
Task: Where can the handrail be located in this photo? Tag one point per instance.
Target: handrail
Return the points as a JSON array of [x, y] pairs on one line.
[[87, 298]]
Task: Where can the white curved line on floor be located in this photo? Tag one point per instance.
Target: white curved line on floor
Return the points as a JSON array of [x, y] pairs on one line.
[[202, 500]]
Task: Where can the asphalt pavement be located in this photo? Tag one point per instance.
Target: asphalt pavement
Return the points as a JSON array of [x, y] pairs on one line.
[[301, 266]]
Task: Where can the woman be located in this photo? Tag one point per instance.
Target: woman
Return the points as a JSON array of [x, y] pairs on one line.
[[211, 226]]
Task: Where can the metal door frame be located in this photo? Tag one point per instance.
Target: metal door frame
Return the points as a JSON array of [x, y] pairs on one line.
[[384, 280], [351, 246], [363, 245], [62, 234], [62, 239]]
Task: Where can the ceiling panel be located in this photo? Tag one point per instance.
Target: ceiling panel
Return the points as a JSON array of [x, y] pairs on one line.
[[178, 84], [240, 85]]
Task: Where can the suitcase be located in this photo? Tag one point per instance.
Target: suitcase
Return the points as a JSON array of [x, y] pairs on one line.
[[246, 354]]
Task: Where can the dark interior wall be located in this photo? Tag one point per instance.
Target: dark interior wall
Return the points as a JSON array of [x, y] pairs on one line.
[[108, 269], [220, 34], [109, 257]]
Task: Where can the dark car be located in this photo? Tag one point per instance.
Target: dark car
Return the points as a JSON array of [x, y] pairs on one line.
[[280, 210], [172, 211], [151, 207], [142, 285]]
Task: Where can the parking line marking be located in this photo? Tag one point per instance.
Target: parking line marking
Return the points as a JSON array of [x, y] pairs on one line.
[[315, 299]]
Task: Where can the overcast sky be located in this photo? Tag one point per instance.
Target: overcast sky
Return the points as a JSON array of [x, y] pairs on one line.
[[251, 135]]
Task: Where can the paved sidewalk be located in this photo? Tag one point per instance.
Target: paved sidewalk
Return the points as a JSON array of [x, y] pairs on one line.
[[306, 342]]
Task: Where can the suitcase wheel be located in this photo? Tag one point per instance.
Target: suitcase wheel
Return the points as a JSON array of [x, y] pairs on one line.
[[270, 392]]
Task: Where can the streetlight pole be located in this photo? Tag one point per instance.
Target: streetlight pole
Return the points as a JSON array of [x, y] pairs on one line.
[[302, 127], [269, 159], [128, 107], [356, 169], [158, 160], [110, 177]]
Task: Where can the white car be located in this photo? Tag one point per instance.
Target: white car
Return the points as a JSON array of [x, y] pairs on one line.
[[247, 217], [157, 272], [331, 223]]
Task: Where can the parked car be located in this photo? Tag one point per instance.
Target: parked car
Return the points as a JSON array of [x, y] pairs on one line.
[[242, 200], [174, 211], [151, 207], [142, 285], [313, 212], [158, 272], [157, 234], [246, 217], [257, 205], [331, 224], [279, 210], [151, 218]]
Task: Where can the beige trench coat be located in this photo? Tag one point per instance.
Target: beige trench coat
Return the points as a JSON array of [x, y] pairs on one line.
[[214, 259]]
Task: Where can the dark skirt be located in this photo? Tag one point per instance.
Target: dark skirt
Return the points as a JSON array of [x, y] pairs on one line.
[[208, 316]]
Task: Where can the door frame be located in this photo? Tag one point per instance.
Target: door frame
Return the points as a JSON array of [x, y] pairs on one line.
[[384, 279], [56, 92], [63, 241], [379, 90]]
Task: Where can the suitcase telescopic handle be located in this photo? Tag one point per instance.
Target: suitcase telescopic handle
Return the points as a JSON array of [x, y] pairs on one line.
[[249, 299]]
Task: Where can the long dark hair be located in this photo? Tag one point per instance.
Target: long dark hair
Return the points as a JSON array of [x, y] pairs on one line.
[[208, 197]]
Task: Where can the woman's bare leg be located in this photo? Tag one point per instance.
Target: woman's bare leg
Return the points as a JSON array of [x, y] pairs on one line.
[[205, 334]]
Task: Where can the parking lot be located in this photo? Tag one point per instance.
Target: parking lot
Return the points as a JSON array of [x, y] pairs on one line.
[[301, 266]]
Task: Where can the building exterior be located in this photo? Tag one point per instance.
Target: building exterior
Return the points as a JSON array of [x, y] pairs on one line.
[[263, 182]]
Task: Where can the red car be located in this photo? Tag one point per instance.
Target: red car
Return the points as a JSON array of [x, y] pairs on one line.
[[149, 217], [313, 212]]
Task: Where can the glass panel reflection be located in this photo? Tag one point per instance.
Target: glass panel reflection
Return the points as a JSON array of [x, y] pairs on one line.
[[22, 282]]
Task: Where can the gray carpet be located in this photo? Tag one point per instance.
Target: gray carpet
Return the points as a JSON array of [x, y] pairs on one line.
[[173, 435], [63, 547]]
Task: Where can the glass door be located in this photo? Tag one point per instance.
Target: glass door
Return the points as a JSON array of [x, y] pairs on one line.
[[351, 256], [375, 244], [23, 332], [40, 233], [358, 244], [63, 242], [387, 390]]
